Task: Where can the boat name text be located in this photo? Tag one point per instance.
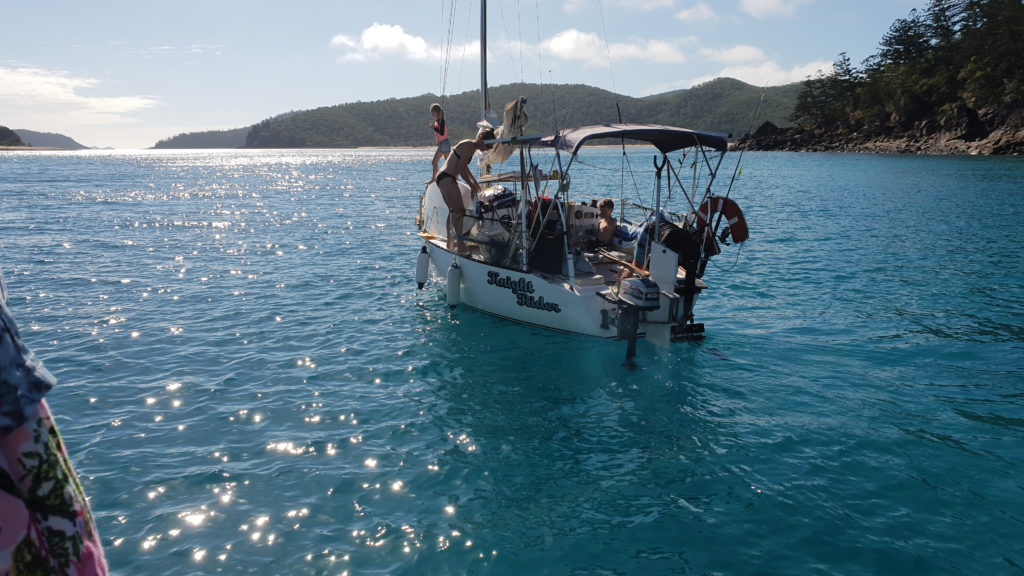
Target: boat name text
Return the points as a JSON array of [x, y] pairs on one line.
[[523, 289]]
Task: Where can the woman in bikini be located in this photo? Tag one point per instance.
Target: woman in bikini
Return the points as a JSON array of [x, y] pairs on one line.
[[444, 146], [456, 165]]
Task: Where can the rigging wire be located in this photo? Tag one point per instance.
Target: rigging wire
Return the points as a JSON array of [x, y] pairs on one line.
[[736, 170], [519, 24], [448, 24], [622, 175], [540, 58], [750, 129], [696, 170], [446, 53], [608, 52], [508, 42], [618, 111], [465, 45], [540, 72]]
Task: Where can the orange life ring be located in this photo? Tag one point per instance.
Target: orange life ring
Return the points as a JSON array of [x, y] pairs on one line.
[[730, 210]]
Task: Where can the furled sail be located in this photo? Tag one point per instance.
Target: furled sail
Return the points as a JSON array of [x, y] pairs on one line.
[[513, 124]]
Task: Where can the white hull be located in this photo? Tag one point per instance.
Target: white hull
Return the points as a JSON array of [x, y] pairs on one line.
[[537, 299], [550, 301]]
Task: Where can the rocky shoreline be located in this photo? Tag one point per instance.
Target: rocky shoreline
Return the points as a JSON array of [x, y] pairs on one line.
[[28, 148], [968, 133]]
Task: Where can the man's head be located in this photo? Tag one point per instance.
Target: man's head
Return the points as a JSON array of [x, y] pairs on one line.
[[482, 135]]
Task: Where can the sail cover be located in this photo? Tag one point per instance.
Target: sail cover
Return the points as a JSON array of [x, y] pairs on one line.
[[664, 138], [514, 121]]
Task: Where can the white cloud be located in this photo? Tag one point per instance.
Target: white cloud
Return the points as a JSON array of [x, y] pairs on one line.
[[767, 73], [382, 40], [644, 4], [573, 44], [168, 50], [735, 55], [588, 48], [575, 6], [655, 50], [33, 93], [386, 40], [770, 8], [700, 12], [52, 101]]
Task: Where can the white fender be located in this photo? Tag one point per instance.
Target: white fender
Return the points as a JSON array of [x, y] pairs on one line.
[[454, 284], [422, 262]]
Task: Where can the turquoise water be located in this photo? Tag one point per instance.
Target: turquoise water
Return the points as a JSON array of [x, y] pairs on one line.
[[250, 383]]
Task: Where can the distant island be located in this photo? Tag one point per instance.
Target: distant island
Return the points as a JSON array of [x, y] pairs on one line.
[[30, 140], [722, 105], [948, 80], [210, 139], [48, 140]]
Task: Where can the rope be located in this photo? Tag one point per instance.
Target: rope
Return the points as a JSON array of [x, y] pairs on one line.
[[734, 262]]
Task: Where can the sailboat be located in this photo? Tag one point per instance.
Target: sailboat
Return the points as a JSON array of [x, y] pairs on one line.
[[531, 257]]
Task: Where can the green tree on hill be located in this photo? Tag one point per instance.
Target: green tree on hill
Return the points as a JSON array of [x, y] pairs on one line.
[[721, 105], [955, 62], [9, 138]]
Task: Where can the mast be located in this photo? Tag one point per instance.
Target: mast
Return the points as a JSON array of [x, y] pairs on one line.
[[484, 104]]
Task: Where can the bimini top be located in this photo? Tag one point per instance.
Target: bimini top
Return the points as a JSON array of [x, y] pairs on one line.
[[664, 138]]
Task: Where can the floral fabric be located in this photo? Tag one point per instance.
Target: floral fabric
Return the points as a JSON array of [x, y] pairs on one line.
[[23, 380], [46, 527]]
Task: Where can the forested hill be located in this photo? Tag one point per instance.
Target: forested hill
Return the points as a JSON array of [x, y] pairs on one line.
[[212, 139], [721, 105], [9, 137], [48, 140], [948, 80]]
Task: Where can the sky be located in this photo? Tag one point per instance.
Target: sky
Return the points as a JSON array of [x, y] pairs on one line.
[[126, 74]]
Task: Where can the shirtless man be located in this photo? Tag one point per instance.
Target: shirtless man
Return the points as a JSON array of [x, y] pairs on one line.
[[456, 165], [606, 222]]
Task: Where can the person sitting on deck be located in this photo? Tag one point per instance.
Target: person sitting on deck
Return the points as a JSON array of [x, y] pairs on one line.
[[606, 226], [607, 223]]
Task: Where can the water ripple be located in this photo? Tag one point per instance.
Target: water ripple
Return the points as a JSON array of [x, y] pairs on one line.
[[251, 383]]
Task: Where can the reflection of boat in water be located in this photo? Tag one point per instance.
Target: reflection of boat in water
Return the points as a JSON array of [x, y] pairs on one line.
[[528, 259]]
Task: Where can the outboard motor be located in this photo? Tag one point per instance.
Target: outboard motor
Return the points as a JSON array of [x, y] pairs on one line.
[[640, 293], [635, 295]]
